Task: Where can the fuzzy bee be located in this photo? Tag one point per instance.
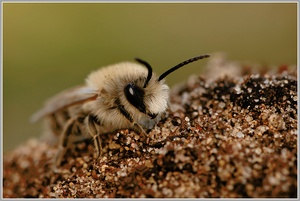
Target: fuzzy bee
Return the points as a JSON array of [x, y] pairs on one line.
[[124, 95]]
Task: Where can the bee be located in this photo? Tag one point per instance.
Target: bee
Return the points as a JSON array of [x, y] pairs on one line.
[[126, 95]]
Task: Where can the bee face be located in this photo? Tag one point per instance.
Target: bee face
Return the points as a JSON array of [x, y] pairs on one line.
[[150, 100], [151, 95]]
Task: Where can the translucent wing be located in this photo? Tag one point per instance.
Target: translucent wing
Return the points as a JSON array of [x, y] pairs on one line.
[[73, 96]]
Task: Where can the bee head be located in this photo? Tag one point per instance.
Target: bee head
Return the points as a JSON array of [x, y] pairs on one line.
[[151, 96]]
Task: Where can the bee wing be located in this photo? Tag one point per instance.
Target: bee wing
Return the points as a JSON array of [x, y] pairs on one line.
[[73, 96]]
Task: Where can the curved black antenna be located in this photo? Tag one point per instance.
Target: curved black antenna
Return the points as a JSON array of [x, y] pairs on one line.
[[162, 76], [149, 71]]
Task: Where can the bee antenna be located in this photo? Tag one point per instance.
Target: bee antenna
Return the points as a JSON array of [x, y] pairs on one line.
[[149, 71], [162, 76]]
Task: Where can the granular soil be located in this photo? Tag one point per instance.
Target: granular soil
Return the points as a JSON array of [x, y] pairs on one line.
[[229, 133]]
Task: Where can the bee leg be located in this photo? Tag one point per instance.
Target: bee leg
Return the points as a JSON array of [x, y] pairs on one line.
[[64, 142], [91, 124]]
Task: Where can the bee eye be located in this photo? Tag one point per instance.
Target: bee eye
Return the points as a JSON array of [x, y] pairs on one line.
[[135, 96]]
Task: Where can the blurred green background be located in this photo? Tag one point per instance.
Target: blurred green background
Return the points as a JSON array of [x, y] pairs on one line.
[[49, 47]]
